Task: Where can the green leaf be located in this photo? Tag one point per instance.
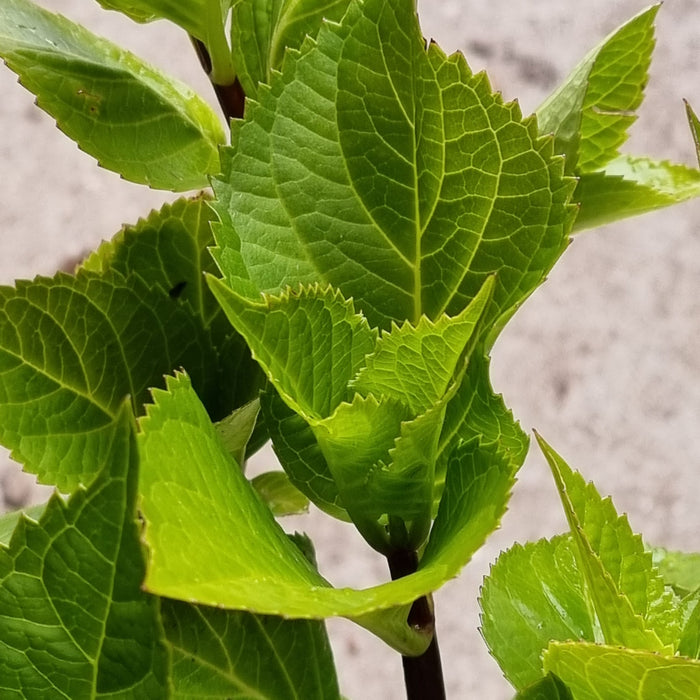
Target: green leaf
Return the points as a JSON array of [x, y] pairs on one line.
[[694, 123], [203, 19], [298, 451], [237, 428], [680, 570], [630, 186], [75, 621], [532, 595], [592, 110], [477, 489], [628, 595], [194, 496], [592, 672], [391, 173], [146, 126], [417, 365], [281, 496], [169, 248], [261, 30], [71, 349], [224, 654], [689, 644], [8, 521], [547, 688], [309, 341], [476, 412]]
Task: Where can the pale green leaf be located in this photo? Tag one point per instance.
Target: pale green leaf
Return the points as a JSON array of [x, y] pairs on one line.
[[224, 654], [71, 349], [237, 429], [146, 126], [548, 688], [477, 488], [592, 110], [532, 595], [261, 30], [297, 449], [382, 461], [391, 173], [628, 595], [8, 521], [594, 671], [417, 365], [205, 20], [631, 185], [75, 622], [189, 484], [680, 570], [476, 412], [281, 496]]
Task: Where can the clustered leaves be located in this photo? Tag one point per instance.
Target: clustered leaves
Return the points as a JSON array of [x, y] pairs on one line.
[[593, 607], [377, 217]]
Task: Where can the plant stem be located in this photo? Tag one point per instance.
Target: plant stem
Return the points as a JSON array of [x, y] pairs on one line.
[[231, 97], [422, 674]]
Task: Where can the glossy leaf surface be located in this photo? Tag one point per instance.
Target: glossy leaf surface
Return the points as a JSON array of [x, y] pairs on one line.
[[134, 120]]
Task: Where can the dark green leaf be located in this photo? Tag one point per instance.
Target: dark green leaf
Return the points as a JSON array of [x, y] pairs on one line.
[[75, 622], [223, 654]]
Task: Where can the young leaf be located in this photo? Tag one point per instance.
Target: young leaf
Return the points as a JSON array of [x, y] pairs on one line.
[[203, 19], [532, 595], [237, 429], [592, 110], [297, 449], [689, 644], [281, 496], [261, 31], [391, 173], [628, 595], [680, 570], [309, 341], [631, 185], [477, 489], [8, 521], [476, 412], [224, 654], [147, 127], [71, 349], [417, 365], [594, 671], [547, 688], [76, 623]]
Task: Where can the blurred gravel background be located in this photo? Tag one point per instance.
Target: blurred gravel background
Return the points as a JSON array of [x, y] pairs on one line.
[[603, 360]]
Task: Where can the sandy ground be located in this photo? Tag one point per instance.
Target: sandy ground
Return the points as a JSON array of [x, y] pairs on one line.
[[602, 360]]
